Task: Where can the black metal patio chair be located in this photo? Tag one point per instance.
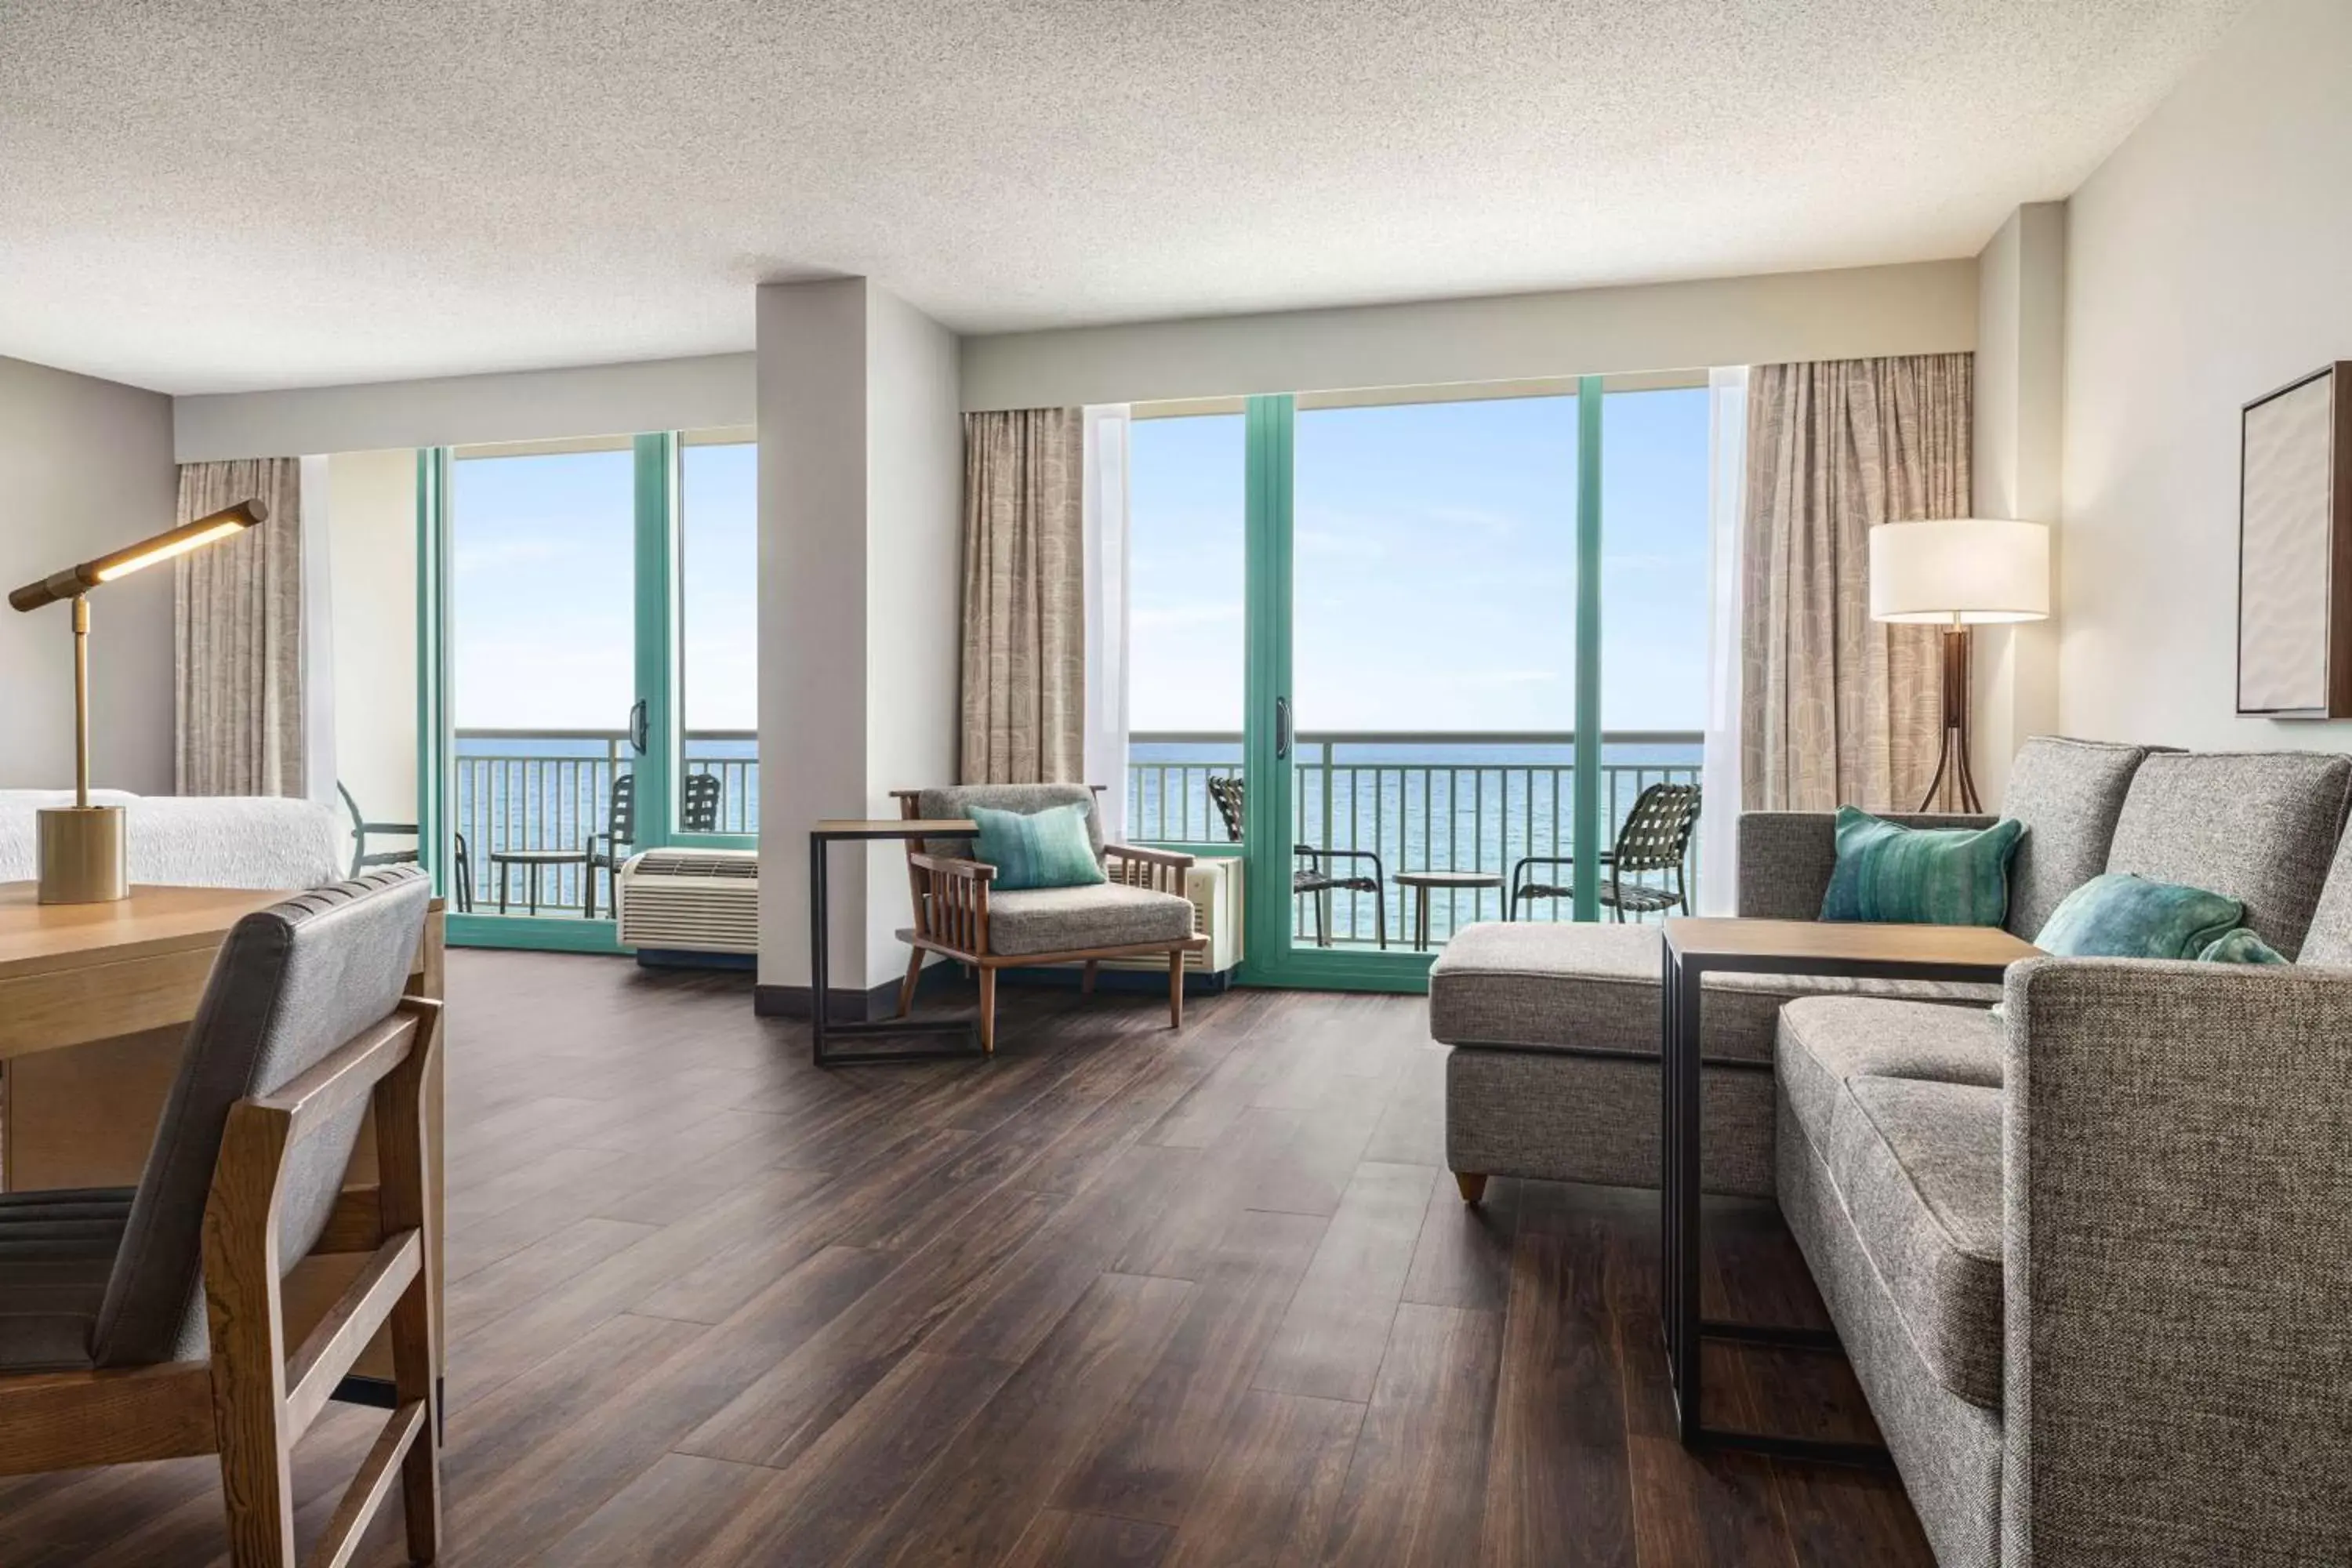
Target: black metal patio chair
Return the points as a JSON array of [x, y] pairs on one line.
[[363, 857], [698, 812], [1656, 837], [1321, 873]]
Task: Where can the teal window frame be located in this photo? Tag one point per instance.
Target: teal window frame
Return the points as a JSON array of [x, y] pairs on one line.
[[657, 546], [1271, 958]]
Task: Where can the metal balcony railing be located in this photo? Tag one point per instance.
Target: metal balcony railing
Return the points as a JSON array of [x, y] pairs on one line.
[[1421, 800], [549, 789]]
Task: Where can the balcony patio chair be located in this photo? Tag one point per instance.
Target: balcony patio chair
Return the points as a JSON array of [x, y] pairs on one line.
[[1320, 875], [151, 1323], [1141, 912], [1656, 837], [698, 812], [364, 858]]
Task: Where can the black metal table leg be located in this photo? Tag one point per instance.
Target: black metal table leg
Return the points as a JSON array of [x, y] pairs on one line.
[[823, 1029], [1684, 1329]]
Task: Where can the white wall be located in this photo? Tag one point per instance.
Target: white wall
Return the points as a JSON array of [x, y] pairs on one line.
[[86, 466], [1924, 307], [2020, 387], [861, 457], [371, 565], [811, 613], [914, 585], [2205, 265], [700, 394]]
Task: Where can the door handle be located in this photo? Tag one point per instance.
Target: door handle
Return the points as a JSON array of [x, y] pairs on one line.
[[1281, 728], [638, 735]]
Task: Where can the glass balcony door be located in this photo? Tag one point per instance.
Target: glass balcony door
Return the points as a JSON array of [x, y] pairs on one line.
[[557, 618]]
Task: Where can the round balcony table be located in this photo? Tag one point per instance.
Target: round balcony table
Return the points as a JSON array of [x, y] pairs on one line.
[[532, 861], [1422, 883]]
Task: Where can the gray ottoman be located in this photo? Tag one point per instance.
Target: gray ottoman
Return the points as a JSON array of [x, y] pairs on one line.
[[1554, 1071]]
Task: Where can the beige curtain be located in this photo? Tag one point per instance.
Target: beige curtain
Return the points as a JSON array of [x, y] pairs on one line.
[[1836, 708], [1025, 633], [237, 613]]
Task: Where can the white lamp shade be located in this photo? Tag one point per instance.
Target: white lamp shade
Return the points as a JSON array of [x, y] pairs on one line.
[[1962, 570]]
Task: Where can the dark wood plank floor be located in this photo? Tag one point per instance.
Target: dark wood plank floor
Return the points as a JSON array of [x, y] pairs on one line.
[[1121, 1297]]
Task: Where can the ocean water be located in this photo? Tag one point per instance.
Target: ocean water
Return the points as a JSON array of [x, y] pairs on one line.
[[1420, 804]]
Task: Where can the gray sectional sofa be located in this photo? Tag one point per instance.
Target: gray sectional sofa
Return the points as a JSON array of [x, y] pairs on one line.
[[2091, 1258]]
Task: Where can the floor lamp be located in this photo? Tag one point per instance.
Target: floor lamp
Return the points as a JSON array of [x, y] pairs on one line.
[[84, 853], [1958, 573]]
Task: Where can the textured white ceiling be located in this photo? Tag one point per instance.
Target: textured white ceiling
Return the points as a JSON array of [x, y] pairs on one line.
[[218, 194]]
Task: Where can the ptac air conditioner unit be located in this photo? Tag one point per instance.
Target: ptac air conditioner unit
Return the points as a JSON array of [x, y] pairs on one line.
[[690, 900], [1215, 885]]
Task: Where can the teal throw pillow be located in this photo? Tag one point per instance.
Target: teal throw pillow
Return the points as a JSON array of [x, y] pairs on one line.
[[2122, 916], [2241, 946], [1047, 849], [1920, 876]]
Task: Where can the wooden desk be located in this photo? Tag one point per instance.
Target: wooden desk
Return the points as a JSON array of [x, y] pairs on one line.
[[94, 1000]]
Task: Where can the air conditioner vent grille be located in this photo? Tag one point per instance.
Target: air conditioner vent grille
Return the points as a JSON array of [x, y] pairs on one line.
[[691, 900]]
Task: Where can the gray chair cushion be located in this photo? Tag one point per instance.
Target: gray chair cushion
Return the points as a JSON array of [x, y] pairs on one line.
[[2069, 793], [1824, 1041], [293, 983], [957, 800], [2255, 826], [1537, 985], [1918, 1165], [56, 1251], [1066, 920]]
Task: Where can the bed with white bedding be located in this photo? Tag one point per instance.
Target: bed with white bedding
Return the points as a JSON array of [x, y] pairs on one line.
[[198, 841]]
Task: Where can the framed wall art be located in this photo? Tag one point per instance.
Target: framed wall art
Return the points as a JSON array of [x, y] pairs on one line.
[[2295, 549]]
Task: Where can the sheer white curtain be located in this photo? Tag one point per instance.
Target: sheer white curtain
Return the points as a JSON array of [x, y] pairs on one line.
[[1106, 568], [1718, 821]]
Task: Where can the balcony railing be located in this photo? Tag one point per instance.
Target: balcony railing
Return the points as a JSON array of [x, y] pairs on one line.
[[1422, 801], [550, 789]]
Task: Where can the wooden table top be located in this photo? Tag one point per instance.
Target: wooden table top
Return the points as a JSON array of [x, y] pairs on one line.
[[539, 857], [1846, 942], [1450, 879], [37, 938]]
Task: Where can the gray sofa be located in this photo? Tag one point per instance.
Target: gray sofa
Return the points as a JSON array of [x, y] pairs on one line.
[[2091, 1258]]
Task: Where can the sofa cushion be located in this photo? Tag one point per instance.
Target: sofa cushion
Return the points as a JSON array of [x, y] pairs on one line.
[[1537, 985], [1825, 1040], [1919, 1166], [57, 1250], [2068, 794], [1064, 920], [2259, 826]]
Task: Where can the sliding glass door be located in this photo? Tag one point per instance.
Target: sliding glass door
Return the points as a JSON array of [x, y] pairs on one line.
[[584, 604], [1438, 633]]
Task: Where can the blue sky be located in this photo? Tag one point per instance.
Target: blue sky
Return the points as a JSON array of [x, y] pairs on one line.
[[1435, 574], [1434, 578], [543, 605]]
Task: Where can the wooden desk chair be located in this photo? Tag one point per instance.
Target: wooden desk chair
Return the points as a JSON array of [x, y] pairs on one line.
[[148, 1323], [1143, 911]]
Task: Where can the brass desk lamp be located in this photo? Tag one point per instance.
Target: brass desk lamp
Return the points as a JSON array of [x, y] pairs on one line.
[[84, 858]]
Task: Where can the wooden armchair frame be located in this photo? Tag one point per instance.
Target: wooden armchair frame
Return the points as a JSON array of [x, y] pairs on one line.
[[950, 900], [253, 1399]]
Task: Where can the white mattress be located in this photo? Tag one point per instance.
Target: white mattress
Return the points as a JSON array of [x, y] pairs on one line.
[[199, 841]]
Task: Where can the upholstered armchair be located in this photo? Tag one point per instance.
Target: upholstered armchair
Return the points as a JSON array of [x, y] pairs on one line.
[[1140, 911]]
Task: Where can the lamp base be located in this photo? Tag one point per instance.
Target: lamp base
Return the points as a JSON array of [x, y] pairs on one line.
[[1952, 754], [84, 855]]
